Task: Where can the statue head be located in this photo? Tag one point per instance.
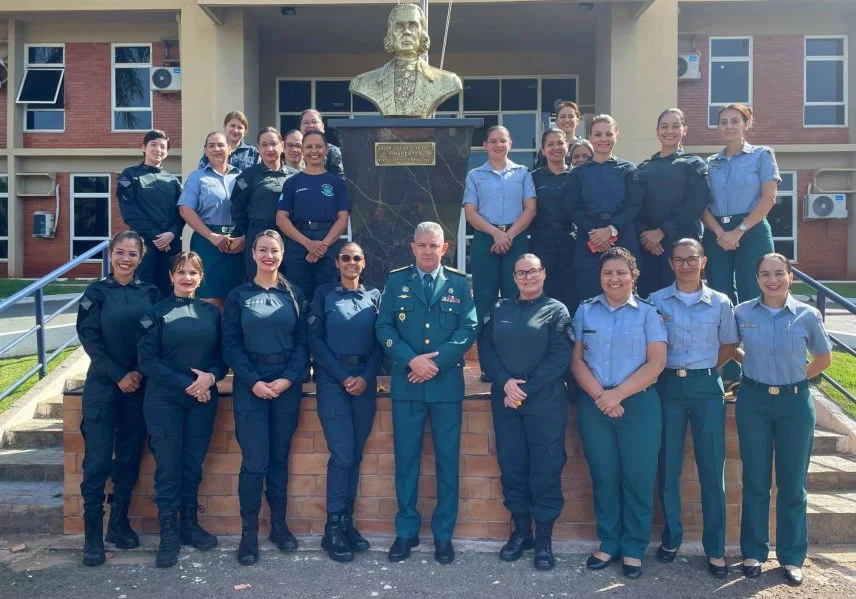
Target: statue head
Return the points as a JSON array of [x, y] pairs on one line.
[[407, 31]]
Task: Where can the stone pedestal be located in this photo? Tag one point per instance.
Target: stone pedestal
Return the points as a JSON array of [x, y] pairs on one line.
[[401, 172]]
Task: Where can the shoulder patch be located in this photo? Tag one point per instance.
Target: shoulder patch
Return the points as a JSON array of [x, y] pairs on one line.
[[312, 318], [242, 183], [86, 303], [146, 323], [124, 181]]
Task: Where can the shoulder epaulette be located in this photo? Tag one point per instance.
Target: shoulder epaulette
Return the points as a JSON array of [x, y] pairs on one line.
[[399, 269], [455, 270], [589, 300], [645, 301]]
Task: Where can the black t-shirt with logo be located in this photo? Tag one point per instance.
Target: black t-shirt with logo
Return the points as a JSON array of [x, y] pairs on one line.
[[314, 197]]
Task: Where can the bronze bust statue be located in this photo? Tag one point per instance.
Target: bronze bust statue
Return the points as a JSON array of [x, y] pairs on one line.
[[407, 85]]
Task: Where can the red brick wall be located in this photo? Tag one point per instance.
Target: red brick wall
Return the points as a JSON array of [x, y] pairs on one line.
[[777, 96], [821, 244], [88, 112]]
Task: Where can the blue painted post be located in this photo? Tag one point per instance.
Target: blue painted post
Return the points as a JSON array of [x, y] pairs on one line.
[[105, 262], [39, 297], [821, 304]]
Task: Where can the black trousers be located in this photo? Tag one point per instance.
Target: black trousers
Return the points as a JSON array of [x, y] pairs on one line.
[[154, 267], [556, 251]]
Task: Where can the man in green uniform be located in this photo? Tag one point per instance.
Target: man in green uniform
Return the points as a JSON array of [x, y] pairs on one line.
[[427, 321]]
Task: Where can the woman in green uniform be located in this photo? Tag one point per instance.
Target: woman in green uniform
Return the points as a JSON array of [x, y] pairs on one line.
[[775, 415]]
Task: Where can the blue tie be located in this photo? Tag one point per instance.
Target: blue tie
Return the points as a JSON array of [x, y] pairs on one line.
[[428, 286]]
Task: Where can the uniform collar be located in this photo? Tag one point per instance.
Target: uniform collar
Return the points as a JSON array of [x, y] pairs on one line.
[[790, 304], [706, 293], [678, 152], [280, 286], [111, 280], [359, 291], [243, 147], [631, 301], [149, 168], [434, 273], [231, 169], [182, 301], [530, 302], [747, 149], [511, 165]]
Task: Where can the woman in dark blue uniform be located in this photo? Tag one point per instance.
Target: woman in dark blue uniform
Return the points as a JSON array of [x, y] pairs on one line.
[[179, 352], [525, 348], [676, 194], [241, 155], [313, 215], [580, 151], [148, 200], [568, 117], [107, 323], [605, 198], [265, 345], [775, 415], [620, 351], [256, 193], [348, 356]]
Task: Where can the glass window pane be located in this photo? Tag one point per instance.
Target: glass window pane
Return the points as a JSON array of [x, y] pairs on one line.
[[4, 217], [824, 115], [824, 81], [781, 216], [738, 47], [4, 184], [132, 88], [40, 86], [45, 120], [332, 96], [331, 134], [481, 94], [451, 105], [522, 128], [787, 183], [360, 104], [138, 120], [477, 158], [713, 115], [44, 55], [294, 96], [4, 250], [479, 133], [91, 217], [785, 248], [824, 47], [80, 247], [527, 159], [729, 82], [554, 91], [519, 94], [287, 122], [132, 55], [91, 184]]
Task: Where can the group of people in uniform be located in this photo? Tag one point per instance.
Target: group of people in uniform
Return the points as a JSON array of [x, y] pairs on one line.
[[617, 245]]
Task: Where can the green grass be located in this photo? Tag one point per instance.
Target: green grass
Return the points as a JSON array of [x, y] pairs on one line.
[[11, 369], [845, 289], [10, 286], [843, 370]]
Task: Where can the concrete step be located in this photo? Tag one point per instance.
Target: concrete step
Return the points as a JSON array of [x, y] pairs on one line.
[[32, 465], [30, 507], [825, 442], [832, 473], [39, 432], [49, 408], [832, 518]]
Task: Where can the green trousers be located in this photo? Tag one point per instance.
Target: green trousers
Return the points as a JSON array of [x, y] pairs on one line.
[[733, 273], [493, 274], [780, 425], [699, 400], [622, 459]]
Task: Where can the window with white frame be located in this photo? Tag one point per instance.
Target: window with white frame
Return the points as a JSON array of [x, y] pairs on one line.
[[131, 87], [4, 218], [42, 90], [730, 74], [783, 217], [825, 82], [90, 212]]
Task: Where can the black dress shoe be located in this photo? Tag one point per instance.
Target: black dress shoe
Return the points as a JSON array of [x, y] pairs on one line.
[[400, 549], [633, 572], [518, 542], [793, 577], [595, 563], [444, 553], [751, 571], [717, 571], [666, 556]]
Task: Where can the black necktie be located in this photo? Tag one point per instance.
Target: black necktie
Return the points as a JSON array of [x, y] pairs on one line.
[[428, 286]]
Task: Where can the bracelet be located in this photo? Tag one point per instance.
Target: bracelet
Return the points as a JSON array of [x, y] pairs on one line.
[[213, 379]]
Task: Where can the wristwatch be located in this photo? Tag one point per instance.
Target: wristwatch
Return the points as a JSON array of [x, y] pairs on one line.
[[742, 227], [613, 230]]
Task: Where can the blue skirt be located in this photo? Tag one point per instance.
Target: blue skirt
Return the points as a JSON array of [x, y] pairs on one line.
[[223, 272]]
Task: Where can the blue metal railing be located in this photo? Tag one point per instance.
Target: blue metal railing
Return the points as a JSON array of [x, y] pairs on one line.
[[824, 295], [37, 290]]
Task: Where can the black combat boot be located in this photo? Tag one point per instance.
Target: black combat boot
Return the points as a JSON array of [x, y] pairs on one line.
[[544, 559], [334, 541], [279, 533], [248, 550], [190, 531], [93, 540], [355, 539], [170, 544], [119, 531], [520, 540]]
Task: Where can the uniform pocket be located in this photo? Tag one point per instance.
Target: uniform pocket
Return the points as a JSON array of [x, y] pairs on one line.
[[705, 332], [449, 313], [633, 338], [799, 342], [404, 306]]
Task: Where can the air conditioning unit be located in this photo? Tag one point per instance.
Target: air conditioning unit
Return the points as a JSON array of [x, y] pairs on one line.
[[825, 205], [43, 224], [166, 79], [688, 66]]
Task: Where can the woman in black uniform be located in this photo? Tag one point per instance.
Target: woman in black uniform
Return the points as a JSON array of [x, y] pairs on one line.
[[107, 322], [265, 345], [348, 356], [567, 120], [525, 347], [179, 352]]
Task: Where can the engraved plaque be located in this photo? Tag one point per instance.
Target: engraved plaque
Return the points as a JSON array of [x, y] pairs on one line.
[[404, 154]]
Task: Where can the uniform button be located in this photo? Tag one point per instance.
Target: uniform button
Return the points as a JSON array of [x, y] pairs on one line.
[[427, 325], [427, 341]]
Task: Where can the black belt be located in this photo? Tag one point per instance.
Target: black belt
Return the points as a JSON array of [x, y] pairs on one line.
[[313, 225], [789, 389], [685, 372], [601, 216], [353, 360], [270, 358], [223, 229], [503, 228], [727, 219], [554, 226]]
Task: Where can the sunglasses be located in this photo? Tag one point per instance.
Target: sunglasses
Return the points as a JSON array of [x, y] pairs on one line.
[[348, 258]]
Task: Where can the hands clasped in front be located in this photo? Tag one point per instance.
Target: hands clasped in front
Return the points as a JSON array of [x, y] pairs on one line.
[[271, 390], [608, 401], [423, 368], [200, 389]]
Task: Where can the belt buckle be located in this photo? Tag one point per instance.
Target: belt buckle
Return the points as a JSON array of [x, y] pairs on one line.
[[725, 220], [681, 372], [502, 228], [773, 390]]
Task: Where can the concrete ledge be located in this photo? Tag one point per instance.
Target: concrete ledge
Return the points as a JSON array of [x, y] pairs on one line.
[[830, 416]]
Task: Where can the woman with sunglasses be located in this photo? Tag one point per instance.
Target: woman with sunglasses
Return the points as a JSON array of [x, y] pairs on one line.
[[525, 347], [348, 356]]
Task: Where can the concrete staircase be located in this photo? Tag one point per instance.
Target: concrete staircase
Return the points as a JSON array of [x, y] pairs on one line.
[[831, 492], [31, 473]]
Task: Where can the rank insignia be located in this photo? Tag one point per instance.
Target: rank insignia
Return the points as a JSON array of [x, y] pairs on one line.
[[405, 288], [451, 290], [389, 342], [402, 316]]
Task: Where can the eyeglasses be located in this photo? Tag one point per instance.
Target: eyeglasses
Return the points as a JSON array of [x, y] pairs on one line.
[[690, 261], [528, 274], [293, 146], [348, 258]]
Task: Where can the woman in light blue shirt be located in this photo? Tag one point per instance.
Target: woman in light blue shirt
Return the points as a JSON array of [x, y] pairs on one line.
[[702, 336], [205, 206], [775, 415], [620, 351]]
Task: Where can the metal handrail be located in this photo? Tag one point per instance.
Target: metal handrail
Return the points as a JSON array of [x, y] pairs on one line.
[[824, 293], [36, 289]]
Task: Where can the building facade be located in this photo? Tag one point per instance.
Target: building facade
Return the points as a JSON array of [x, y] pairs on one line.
[[78, 95]]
